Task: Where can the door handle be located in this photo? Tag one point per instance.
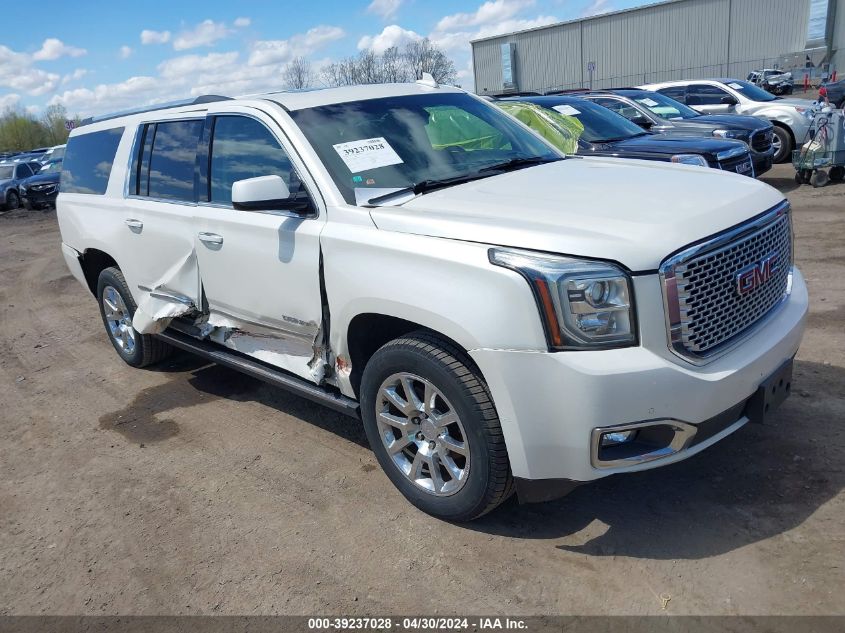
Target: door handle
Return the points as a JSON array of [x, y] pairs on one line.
[[210, 238], [135, 225]]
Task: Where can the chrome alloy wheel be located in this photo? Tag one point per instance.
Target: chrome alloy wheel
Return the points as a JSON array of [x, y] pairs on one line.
[[118, 320], [422, 434], [776, 145]]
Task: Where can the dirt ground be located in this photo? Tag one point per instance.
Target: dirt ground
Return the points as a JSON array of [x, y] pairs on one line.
[[190, 489]]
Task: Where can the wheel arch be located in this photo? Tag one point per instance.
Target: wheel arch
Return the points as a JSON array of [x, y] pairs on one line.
[[368, 331], [93, 262]]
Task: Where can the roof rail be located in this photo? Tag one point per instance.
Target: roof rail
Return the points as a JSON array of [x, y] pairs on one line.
[[152, 108]]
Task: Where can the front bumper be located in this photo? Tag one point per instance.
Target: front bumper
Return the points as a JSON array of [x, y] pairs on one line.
[[36, 198], [550, 403]]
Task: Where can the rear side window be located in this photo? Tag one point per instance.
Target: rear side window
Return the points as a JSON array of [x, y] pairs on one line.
[[678, 93], [164, 165], [88, 161]]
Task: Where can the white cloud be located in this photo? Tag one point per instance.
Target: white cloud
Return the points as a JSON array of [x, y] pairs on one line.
[[387, 9], [53, 48], [206, 33], [491, 11], [266, 52], [155, 37], [76, 75], [242, 22], [18, 73], [393, 35], [125, 52], [105, 97], [10, 100], [597, 7], [193, 65]]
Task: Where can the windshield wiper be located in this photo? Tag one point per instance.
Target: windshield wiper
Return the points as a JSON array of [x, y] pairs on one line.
[[518, 163], [424, 186]]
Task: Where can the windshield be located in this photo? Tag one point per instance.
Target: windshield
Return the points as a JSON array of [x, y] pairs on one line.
[[750, 91], [665, 107], [6, 172], [376, 146], [600, 124], [53, 165]]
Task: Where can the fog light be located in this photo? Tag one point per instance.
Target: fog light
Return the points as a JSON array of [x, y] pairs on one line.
[[619, 437]]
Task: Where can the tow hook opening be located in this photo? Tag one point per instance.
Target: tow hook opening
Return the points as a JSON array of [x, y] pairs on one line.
[[640, 442]]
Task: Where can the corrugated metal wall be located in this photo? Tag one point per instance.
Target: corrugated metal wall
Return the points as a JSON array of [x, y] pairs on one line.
[[839, 39], [680, 39]]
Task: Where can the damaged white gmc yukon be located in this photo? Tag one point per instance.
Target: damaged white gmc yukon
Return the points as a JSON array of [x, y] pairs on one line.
[[499, 316]]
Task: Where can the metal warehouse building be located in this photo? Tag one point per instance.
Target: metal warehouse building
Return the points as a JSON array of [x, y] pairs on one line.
[[675, 39]]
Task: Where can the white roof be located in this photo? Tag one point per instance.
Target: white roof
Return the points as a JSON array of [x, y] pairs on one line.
[[298, 100]]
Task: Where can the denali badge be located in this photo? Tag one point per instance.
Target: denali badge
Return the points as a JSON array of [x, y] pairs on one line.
[[753, 276]]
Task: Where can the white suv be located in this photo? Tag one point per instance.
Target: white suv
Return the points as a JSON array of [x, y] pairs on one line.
[[499, 316]]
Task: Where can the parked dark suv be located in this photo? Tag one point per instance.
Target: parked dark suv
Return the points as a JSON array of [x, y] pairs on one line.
[[40, 190], [609, 134], [11, 177], [658, 113]]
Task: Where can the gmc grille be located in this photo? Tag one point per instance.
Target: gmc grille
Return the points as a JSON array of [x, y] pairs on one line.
[[718, 291]]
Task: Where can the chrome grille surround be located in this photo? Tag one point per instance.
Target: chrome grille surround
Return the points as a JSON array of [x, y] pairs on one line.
[[706, 316]]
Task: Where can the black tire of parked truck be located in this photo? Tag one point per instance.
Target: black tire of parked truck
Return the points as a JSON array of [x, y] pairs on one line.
[[117, 309], [784, 154], [457, 392]]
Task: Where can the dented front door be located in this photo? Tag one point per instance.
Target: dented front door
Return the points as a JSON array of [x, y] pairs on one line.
[[259, 270]]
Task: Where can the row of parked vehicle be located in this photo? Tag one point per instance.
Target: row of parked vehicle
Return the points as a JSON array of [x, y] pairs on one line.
[[30, 179], [721, 123]]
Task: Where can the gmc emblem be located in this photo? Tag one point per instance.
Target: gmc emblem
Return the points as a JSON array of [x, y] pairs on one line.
[[752, 277]]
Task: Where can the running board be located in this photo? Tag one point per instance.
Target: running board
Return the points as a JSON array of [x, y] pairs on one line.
[[259, 370]]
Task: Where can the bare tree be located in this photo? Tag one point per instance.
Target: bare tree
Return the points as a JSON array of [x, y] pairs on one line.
[[297, 74], [422, 56], [393, 67]]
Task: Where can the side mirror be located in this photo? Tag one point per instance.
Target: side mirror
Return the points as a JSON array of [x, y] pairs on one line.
[[267, 193], [643, 122], [728, 100]]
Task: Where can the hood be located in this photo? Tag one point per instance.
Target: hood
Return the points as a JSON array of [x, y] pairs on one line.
[[632, 212], [673, 144], [40, 179], [734, 121], [786, 101]]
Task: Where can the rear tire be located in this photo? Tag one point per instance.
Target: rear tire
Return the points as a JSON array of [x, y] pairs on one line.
[[442, 446], [784, 152], [117, 309]]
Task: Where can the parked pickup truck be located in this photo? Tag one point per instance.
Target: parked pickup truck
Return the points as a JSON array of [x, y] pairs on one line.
[[500, 317]]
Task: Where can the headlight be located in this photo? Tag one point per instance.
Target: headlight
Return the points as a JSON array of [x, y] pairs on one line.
[[690, 159], [583, 304], [729, 134]]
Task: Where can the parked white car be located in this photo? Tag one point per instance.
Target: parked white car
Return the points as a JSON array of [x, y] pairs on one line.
[[736, 96], [501, 317]]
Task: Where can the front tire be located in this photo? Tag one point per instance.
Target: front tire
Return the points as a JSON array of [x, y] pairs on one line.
[[783, 145], [13, 201], [117, 309], [433, 427]]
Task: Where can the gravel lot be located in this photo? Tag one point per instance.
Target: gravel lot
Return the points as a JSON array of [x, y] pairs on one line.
[[191, 489]]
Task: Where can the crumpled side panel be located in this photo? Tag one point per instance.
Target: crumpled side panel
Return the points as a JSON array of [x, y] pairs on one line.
[[161, 303]]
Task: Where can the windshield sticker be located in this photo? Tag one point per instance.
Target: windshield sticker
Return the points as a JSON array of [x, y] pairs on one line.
[[649, 102], [370, 153], [735, 86], [566, 109]]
